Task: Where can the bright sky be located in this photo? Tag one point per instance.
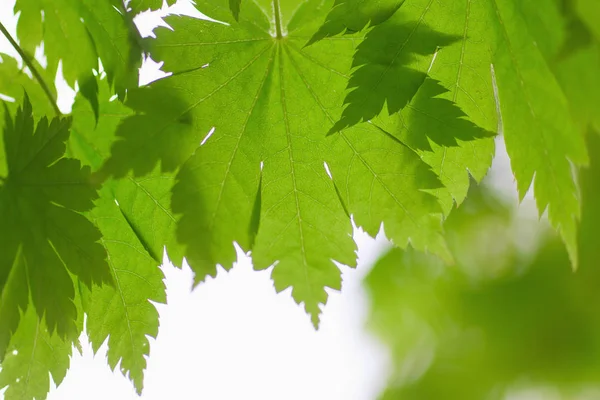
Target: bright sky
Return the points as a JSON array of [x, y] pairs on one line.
[[234, 338]]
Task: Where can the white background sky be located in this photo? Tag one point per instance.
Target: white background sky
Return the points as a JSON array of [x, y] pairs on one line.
[[233, 337]]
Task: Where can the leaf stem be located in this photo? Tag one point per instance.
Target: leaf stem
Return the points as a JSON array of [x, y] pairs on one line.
[[32, 68], [277, 19]]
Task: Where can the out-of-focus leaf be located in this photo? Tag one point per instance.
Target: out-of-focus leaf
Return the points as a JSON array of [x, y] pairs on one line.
[[499, 319], [589, 181]]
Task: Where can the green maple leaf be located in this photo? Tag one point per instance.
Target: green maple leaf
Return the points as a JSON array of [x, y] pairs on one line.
[[33, 355], [134, 218], [260, 179], [78, 33], [44, 236], [123, 314], [540, 134]]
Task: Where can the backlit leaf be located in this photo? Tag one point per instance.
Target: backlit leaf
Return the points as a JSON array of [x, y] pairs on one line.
[[44, 236], [264, 159], [541, 137], [35, 354], [134, 218]]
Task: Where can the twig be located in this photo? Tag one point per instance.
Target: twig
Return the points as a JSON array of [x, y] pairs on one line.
[[32, 68]]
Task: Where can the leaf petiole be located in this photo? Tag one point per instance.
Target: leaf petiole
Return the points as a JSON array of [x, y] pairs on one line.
[[32, 68], [277, 19]]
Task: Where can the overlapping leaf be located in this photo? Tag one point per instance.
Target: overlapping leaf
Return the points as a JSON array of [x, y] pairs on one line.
[[389, 67], [441, 133], [461, 65], [350, 16], [78, 33], [134, 218], [44, 237], [145, 201], [463, 68], [540, 135]]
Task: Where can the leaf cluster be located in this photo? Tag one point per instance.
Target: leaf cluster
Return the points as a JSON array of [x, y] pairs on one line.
[[280, 125]]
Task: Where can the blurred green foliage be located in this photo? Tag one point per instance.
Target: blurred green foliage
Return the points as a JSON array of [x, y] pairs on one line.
[[509, 316]]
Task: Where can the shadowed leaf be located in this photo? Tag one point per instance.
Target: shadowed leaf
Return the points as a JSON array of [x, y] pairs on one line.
[[44, 236], [351, 16], [390, 67]]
